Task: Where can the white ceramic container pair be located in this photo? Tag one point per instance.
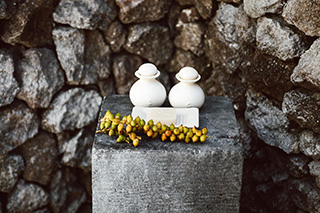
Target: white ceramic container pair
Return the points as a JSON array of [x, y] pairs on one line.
[[148, 92]]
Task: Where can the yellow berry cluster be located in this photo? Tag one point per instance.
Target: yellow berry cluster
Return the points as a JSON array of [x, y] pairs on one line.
[[125, 129]]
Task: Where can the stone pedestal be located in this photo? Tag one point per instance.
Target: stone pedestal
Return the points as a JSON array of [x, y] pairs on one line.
[[161, 176]]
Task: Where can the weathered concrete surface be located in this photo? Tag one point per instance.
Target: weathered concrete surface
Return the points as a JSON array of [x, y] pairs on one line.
[[170, 177]]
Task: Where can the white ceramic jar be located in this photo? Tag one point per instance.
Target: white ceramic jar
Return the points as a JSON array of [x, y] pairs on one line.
[[147, 91], [187, 93]]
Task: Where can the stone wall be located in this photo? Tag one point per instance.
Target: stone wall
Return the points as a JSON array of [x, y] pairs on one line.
[[59, 58]]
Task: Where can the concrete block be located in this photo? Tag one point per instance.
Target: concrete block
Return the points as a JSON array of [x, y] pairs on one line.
[[161, 176]]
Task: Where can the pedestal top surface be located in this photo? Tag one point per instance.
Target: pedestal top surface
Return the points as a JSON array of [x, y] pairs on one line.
[[217, 114]]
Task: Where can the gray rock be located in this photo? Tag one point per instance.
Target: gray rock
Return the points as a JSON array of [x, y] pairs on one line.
[[26, 197], [220, 83], [124, 67], [65, 194], [142, 11], [303, 107], [97, 55], [309, 144], [41, 77], [306, 73], [40, 154], [72, 109], [75, 150], [269, 75], [270, 123], [150, 41], [190, 37], [245, 27], [8, 84], [28, 24], [314, 167], [257, 8], [277, 39], [221, 40], [185, 2], [304, 14], [115, 35], [70, 47], [183, 58], [231, 1], [18, 124], [298, 165], [204, 8], [85, 14], [305, 195], [188, 15], [4, 14], [10, 170], [83, 56], [150, 178], [107, 87]]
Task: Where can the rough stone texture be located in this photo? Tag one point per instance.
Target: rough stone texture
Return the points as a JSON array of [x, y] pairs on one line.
[[204, 8], [72, 109], [275, 38], [183, 58], [85, 14], [10, 170], [150, 41], [159, 176], [107, 87], [309, 144], [245, 27], [4, 14], [65, 194], [190, 37], [40, 77], [303, 107], [97, 55], [270, 123], [269, 75], [306, 73], [115, 35], [189, 15], [75, 150], [304, 14], [314, 167], [305, 195], [124, 67], [257, 8], [142, 10], [30, 23], [40, 154], [221, 40], [18, 124], [26, 197], [223, 84], [83, 55], [8, 84], [298, 166]]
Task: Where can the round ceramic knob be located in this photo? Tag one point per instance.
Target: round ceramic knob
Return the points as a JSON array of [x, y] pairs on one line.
[[188, 73], [147, 69]]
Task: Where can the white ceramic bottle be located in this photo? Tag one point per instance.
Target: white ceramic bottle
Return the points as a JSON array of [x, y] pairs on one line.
[[147, 91], [187, 93]]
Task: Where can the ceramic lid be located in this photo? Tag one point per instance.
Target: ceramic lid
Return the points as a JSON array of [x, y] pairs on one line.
[[188, 74], [147, 70]]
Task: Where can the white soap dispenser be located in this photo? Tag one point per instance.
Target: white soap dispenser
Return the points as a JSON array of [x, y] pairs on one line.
[[187, 93], [147, 91]]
